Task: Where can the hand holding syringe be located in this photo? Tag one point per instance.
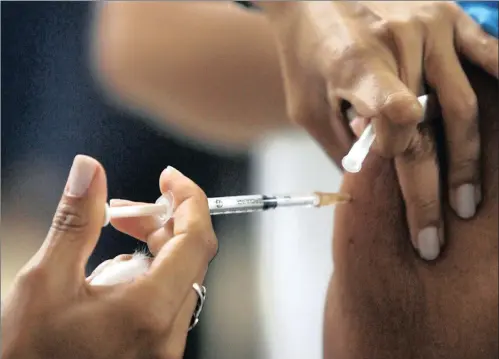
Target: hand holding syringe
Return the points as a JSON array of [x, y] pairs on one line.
[[164, 206], [353, 161]]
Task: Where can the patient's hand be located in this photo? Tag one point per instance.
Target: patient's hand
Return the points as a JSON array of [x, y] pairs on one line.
[[374, 55], [386, 303]]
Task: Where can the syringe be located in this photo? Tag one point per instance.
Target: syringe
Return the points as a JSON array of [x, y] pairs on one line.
[[353, 161], [164, 206]]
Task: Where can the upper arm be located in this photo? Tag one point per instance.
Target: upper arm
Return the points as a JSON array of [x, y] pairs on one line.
[[384, 301], [208, 68]]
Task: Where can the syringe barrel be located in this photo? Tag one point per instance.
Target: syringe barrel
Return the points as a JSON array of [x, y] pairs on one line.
[[236, 204], [297, 201], [252, 203]]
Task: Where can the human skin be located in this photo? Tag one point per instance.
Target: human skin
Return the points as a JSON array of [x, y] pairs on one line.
[[214, 71], [52, 311], [211, 108], [383, 301]]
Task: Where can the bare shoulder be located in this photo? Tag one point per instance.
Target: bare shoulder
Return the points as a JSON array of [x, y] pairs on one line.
[[383, 301]]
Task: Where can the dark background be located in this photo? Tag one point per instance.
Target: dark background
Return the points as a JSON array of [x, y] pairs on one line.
[[52, 109]]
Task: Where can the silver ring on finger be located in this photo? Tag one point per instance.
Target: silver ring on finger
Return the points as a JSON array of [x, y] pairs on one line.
[[201, 292]]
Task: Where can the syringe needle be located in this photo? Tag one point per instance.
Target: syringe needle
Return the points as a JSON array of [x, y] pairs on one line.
[[329, 199]]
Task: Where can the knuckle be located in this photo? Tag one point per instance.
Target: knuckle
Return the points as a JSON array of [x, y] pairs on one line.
[[403, 106], [439, 8], [346, 64], [206, 239], [467, 107], [381, 28], [465, 148], [298, 112], [433, 12], [34, 277], [386, 29], [462, 170], [421, 147], [466, 163], [69, 219], [449, 7], [211, 245], [424, 208], [386, 147], [485, 44], [201, 196], [354, 52], [148, 320], [393, 140], [443, 6]]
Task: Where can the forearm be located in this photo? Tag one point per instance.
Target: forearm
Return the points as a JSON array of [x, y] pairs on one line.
[[209, 69]]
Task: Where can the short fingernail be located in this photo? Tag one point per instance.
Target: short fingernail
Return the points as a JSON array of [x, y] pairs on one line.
[[356, 125], [465, 201], [81, 175], [428, 243]]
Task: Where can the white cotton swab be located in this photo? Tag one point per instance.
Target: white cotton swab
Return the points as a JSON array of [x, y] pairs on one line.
[[353, 161]]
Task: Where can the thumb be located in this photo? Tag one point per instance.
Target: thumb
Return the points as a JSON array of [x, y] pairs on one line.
[[393, 107], [78, 220]]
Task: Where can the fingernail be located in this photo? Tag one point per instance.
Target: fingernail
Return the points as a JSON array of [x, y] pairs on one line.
[[428, 243], [81, 175], [169, 170], [465, 201], [356, 124]]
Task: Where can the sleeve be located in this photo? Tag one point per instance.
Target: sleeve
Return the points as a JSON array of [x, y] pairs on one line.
[[484, 13]]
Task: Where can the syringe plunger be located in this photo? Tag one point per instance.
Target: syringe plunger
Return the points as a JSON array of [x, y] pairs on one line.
[[163, 208]]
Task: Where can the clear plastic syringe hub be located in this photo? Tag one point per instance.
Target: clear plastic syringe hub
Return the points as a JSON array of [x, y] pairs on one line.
[[163, 208], [168, 201]]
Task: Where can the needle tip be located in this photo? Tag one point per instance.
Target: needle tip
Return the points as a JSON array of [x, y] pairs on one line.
[[329, 199]]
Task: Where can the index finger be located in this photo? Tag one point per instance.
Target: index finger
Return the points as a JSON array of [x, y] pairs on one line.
[[193, 236], [379, 94], [191, 205], [185, 257]]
